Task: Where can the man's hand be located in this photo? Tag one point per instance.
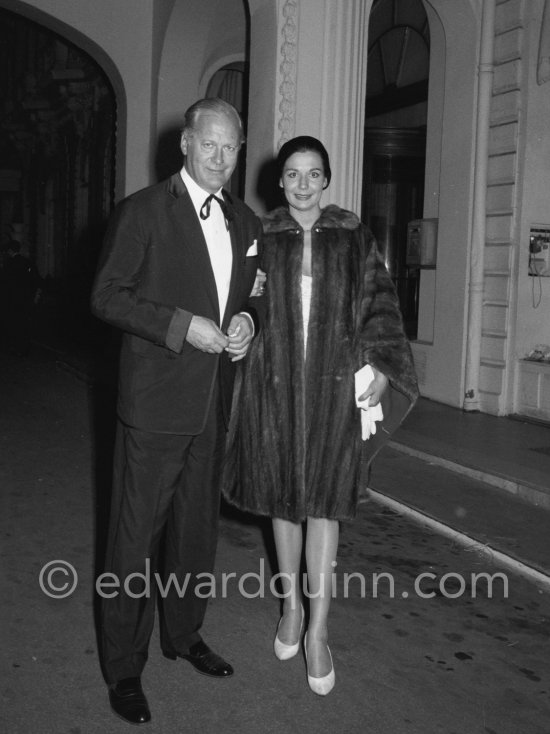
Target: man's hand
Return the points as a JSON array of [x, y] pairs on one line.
[[240, 336], [376, 389], [203, 334]]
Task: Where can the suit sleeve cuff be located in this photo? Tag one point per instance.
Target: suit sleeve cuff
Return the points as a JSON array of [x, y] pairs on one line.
[[177, 330]]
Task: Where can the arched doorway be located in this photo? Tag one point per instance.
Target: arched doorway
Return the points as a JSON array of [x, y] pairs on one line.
[[395, 137], [57, 143], [230, 83]]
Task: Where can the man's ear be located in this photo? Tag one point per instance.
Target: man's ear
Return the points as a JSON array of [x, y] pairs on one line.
[[183, 143]]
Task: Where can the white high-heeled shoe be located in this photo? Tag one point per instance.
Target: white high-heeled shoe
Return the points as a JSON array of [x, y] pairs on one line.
[[281, 649], [324, 685]]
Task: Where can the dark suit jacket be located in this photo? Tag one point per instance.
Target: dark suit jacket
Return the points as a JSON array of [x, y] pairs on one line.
[[154, 275]]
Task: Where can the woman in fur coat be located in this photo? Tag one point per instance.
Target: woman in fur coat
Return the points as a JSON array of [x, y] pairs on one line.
[[295, 446]]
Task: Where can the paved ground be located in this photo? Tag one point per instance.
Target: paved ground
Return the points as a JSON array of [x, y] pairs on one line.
[[404, 663]]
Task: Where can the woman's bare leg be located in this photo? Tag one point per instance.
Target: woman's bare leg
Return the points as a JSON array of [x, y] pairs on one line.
[[288, 542], [321, 548]]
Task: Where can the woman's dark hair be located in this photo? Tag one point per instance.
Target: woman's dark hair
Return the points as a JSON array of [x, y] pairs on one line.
[[303, 144]]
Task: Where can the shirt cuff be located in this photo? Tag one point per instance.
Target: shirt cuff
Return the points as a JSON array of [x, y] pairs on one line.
[[251, 320]]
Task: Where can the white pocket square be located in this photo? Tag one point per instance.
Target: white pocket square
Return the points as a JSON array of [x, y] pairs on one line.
[[253, 249]]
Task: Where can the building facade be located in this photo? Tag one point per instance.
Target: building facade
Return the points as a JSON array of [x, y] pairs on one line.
[[470, 75]]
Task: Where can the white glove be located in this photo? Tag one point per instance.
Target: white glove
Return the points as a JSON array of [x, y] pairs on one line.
[[369, 413]]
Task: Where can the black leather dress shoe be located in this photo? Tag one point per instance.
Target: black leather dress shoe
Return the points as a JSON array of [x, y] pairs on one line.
[[203, 659], [128, 701]]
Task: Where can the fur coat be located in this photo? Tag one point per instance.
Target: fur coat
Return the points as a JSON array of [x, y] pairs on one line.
[[294, 444]]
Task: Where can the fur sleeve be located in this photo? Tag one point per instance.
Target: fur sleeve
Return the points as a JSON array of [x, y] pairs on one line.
[[383, 340]]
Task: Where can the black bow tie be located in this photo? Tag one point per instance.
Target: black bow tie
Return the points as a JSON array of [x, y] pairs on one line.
[[205, 208]]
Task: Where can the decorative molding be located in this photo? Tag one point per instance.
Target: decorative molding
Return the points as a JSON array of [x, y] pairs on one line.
[[287, 70]]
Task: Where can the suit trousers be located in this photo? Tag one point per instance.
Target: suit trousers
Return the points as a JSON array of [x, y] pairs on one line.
[[163, 530]]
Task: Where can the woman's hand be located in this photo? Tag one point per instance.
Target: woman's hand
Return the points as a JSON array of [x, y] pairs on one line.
[[259, 284], [240, 336], [376, 388]]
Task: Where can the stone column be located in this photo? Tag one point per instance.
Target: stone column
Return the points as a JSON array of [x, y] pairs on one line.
[[324, 75], [308, 76]]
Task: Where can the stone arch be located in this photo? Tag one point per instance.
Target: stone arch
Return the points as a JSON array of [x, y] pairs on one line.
[[237, 60], [439, 349], [200, 37], [450, 160], [101, 57]]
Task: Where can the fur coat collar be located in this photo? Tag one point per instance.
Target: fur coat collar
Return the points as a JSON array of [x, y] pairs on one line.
[[332, 217]]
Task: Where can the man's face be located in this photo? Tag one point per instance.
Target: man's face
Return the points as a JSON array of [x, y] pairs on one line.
[[211, 150]]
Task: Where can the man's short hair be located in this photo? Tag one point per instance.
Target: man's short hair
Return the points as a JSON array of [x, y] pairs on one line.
[[211, 104]]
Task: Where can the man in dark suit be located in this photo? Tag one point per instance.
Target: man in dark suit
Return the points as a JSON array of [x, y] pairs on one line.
[[175, 275]]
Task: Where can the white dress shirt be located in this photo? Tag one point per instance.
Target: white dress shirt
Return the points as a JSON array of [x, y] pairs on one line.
[[217, 238]]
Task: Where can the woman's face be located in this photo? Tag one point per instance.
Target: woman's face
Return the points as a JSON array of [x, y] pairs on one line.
[[303, 180]]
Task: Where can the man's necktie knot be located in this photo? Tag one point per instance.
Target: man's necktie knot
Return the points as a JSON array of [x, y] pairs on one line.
[[205, 208]]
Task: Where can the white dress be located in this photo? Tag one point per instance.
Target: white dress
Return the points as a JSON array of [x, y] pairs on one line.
[[306, 301]]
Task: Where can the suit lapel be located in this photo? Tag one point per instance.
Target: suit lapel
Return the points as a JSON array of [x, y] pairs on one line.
[[192, 238], [235, 231]]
